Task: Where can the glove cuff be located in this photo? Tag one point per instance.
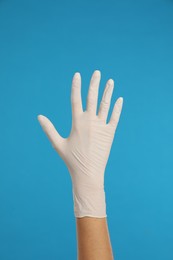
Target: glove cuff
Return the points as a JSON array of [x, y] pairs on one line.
[[91, 203]]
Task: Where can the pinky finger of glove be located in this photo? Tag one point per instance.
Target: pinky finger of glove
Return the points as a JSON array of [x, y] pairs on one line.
[[116, 113], [54, 137]]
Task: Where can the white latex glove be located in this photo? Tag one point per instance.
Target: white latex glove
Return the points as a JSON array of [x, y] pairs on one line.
[[86, 150]]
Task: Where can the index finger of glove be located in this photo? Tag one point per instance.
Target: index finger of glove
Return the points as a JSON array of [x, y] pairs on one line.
[[76, 99]]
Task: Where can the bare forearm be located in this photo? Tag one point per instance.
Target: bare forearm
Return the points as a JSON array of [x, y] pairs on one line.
[[93, 239]]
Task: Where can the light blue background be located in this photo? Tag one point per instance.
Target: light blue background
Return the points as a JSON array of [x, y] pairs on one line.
[[42, 44]]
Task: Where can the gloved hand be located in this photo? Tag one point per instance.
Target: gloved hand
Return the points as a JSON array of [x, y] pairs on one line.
[[86, 150]]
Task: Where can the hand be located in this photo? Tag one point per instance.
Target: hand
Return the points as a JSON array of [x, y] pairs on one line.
[[86, 150]]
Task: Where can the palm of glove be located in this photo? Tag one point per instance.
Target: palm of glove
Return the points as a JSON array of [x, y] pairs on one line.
[[88, 147]]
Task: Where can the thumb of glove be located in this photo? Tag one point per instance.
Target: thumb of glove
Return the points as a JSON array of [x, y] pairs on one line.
[[57, 141]]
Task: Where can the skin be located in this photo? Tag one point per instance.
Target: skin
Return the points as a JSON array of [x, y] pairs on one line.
[[93, 239], [92, 232]]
